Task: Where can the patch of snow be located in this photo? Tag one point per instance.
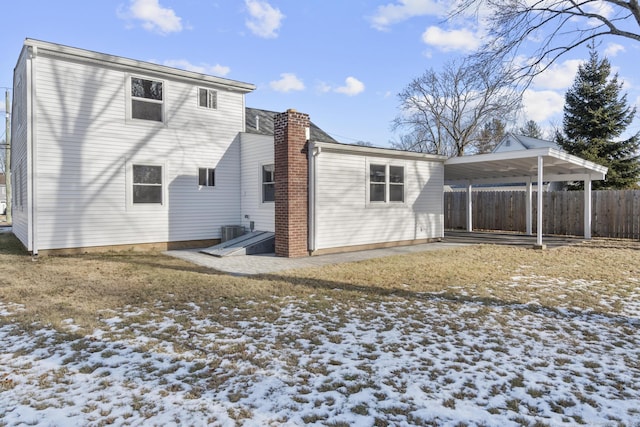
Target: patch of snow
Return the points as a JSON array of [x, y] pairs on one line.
[[403, 361]]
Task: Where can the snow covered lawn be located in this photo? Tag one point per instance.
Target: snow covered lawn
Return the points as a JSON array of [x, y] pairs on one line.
[[424, 361], [337, 356]]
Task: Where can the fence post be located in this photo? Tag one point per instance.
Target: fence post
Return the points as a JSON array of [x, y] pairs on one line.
[[587, 208], [469, 207]]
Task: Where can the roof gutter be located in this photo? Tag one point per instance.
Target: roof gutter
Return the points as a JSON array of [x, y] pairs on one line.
[[376, 151], [121, 62]]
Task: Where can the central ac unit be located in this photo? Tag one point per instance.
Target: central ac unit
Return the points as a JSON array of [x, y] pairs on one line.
[[229, 232]]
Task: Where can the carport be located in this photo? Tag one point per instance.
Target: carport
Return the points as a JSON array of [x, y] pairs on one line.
[[528, 167]]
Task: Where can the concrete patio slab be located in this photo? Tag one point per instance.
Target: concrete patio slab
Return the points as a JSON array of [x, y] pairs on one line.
[[268, 263], [247, 265]]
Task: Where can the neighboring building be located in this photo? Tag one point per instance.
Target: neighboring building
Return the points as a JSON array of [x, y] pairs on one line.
[[115, 153], [513, 142]]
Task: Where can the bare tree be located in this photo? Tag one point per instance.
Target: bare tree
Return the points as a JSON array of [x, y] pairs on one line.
[[444, 111], [550, 27]]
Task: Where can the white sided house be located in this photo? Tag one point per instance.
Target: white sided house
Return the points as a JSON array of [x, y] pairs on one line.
[[114, 153]]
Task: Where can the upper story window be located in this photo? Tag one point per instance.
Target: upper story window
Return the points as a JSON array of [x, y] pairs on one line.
[[386, 183], [268, 183], [17, 106], [207, 98], [206, 177], [147, 99]]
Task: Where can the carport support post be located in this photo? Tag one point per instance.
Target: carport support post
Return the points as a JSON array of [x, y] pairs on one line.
[[529, 207], [539, 244], [469, 207], [587, 208]]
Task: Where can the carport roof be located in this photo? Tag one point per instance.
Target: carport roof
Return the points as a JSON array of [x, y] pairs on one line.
[[520, 166]]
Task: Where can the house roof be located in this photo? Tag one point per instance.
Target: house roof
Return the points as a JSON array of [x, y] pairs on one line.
[[261, 122], [520, 166], [512, 141], [376, 151], [121, 62]]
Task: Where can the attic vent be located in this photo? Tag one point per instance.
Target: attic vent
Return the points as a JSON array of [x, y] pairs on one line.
[[508, 143]]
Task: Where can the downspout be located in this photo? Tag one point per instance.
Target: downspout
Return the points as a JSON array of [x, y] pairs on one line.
[[34, 156], [314, 151]]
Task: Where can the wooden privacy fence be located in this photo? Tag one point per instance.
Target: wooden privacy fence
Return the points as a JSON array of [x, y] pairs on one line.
[[615, 213]]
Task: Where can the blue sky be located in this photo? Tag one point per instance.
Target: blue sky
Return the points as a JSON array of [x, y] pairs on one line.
[[342, 62]]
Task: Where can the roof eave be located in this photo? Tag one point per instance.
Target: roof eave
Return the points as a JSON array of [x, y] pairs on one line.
[[113, 60], [376, 151]]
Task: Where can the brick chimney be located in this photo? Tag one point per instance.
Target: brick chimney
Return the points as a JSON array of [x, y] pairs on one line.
[[290, 134]]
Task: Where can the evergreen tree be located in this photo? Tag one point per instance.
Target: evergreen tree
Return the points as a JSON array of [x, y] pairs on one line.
[[531, 129], [595, 115], [490, 135]]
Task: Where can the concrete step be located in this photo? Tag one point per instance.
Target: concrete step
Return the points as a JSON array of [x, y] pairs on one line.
[[255, 242]]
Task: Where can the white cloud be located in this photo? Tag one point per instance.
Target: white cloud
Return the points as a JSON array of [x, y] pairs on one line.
[[402, 10], [451, 40], [559, 75], [287, 83], [352, 87], [602, 8], [216, 70], [322, 87], [613, 49], [542, 105], [154, 17], [265, 20]]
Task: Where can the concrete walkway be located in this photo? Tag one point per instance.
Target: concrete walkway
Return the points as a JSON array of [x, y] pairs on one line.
[[246, 265]]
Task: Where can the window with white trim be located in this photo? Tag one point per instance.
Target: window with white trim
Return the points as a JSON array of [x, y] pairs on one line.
[[147, 99], [386, 183], [268, 183], [18, 106], [207, 177], [147, 184], [396, 183], [207, 98]]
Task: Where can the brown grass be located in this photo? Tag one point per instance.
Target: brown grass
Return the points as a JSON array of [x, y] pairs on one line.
[[82, 287]]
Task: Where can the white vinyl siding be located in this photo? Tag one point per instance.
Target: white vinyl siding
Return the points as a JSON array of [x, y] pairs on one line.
[[345, 217], [257, 150], [19, 152], [86, 143]]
